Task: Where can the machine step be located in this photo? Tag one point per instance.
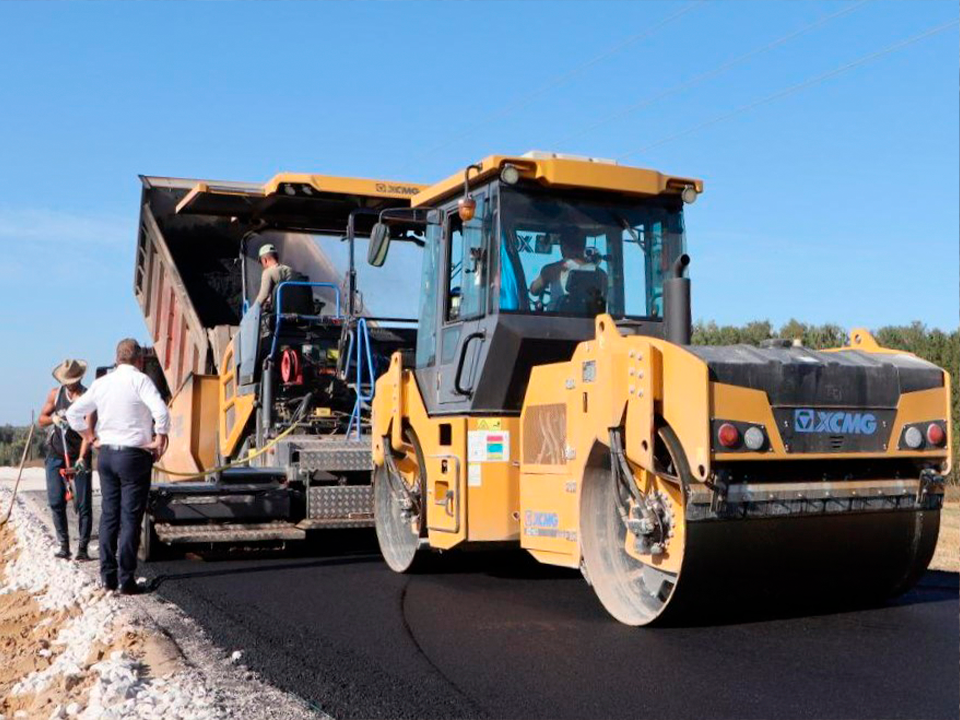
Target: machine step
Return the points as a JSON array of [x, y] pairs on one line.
[[228, 533]]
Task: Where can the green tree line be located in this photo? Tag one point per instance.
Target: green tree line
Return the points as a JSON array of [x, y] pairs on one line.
[[12, 440], [940, 348]]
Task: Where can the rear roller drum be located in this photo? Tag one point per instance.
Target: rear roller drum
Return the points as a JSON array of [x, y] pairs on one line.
[[732, 565], [397, 493]]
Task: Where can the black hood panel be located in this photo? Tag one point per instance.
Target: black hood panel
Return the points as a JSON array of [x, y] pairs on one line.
[[803, 377]]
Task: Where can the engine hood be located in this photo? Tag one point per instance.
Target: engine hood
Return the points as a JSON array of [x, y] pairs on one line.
[[804, 377]]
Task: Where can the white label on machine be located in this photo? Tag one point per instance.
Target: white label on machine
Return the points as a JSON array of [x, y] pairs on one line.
[[486, 446], [474, 474]]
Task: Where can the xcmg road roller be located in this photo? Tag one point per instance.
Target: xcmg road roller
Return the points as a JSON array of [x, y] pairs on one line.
[[554, 399]]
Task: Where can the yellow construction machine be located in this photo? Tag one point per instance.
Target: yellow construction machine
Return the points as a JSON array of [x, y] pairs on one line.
[[270, 406], [555, 400]]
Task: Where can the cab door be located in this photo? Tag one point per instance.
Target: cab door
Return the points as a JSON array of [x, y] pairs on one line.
[[461, 338]]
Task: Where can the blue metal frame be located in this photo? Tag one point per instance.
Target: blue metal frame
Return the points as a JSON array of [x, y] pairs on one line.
[[362, 335], [279, 315]]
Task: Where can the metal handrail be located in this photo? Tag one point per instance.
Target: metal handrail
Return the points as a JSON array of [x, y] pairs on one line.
[[278, 308], [362, 334]]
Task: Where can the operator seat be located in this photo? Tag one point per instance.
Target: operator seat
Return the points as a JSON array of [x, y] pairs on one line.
[[585, 295]]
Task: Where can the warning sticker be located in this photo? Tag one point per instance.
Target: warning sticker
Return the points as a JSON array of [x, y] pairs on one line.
[[474, 475], [488, 446], [489, 424]]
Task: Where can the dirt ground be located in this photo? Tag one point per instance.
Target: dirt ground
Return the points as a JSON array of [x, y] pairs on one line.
[[28, 644]]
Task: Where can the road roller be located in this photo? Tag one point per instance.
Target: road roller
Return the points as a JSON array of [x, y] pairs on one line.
[[554, 401]]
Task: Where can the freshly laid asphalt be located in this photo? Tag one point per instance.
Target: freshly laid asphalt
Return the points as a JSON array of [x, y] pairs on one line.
[[497, 635]]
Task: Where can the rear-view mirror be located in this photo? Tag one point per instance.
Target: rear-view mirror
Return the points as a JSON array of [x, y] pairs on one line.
[[543, 245], [379, 242]]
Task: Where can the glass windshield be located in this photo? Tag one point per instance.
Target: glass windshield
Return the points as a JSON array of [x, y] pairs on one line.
[[572, 256]]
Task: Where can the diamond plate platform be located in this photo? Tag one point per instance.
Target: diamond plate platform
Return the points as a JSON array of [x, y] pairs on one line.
[[340, 502], [330, 455]]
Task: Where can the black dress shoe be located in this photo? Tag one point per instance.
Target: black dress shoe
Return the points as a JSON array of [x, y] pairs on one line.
[[109, 585], [82, 555], [132, 589], [63, 553]]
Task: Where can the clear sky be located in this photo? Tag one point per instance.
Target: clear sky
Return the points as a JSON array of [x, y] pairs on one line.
[[834, 203]]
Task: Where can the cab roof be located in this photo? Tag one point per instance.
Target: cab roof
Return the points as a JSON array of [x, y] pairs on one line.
[[563, 171]]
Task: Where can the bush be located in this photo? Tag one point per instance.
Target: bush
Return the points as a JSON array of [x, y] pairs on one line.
[[12, 440]]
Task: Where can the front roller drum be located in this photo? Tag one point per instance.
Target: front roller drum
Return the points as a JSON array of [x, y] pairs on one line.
[[397, 492], [713, 567]]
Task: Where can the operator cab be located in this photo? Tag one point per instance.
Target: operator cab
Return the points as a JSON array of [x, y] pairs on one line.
[[520, 256]]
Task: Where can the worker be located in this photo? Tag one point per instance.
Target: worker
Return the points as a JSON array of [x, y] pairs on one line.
[[68, 451], [554, 277], [274, 273], [131, 432]]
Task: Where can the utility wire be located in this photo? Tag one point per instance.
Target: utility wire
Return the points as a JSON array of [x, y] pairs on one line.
[[564, 78], [795, 88], [710, 73]]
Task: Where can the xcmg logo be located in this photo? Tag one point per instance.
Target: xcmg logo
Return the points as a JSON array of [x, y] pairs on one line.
[[837, 422]]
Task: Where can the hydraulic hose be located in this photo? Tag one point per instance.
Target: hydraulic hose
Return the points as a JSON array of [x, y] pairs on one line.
[[301, 411]]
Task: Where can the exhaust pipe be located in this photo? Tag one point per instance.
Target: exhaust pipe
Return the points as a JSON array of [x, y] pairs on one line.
[[676, 302]]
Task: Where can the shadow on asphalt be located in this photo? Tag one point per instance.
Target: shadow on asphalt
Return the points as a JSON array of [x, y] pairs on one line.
[[339, 548], [161, 577]]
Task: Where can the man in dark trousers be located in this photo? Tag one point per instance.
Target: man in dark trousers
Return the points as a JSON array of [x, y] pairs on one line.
[[69, 373], [131, 432]]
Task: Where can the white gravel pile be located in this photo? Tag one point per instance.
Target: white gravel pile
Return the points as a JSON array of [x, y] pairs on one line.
[[120, 692], [121, 689], [56, 584]]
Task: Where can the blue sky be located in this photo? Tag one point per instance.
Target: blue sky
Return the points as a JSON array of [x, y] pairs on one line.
[[835, 203]]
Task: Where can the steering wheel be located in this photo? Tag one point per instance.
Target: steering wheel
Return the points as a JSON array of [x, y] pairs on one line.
[[541, 300]]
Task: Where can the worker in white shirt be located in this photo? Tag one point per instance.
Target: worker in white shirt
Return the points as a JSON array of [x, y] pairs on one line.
[[131, 432]]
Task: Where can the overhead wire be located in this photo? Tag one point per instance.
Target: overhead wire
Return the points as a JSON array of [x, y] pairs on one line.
[[563, 78], [794, 88], [719, 70]]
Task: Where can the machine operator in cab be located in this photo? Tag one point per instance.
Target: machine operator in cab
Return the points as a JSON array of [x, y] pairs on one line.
[[296, 299], [573, 281]]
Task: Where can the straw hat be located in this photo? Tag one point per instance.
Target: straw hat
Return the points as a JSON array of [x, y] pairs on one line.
[[70, 371]]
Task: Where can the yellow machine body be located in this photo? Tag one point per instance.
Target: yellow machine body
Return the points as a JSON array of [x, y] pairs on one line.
[[536, 472], [193, 423]]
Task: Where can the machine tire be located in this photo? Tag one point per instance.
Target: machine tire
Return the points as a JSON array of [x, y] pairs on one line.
[[399, 540], [149, 542], [631, 591], [152, 549]]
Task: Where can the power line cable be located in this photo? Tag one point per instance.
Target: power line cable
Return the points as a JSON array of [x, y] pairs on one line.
[[720, 69], [564, 78], [795, 88]]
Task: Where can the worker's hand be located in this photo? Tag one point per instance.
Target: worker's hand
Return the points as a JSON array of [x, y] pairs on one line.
[[59, 418], [79, 466], [159, 446]]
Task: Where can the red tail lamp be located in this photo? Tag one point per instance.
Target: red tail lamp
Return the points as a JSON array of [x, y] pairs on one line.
[[728, 435], [935, 434]]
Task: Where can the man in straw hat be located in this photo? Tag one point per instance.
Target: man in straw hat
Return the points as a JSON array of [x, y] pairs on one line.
[[63, 444]]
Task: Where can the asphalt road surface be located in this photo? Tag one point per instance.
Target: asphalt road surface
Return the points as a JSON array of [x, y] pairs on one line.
[[497, 635]]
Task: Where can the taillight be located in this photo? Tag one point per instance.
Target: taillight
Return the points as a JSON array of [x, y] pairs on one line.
[[754, 438], [913, 438], [728, 435], [935, 434]]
